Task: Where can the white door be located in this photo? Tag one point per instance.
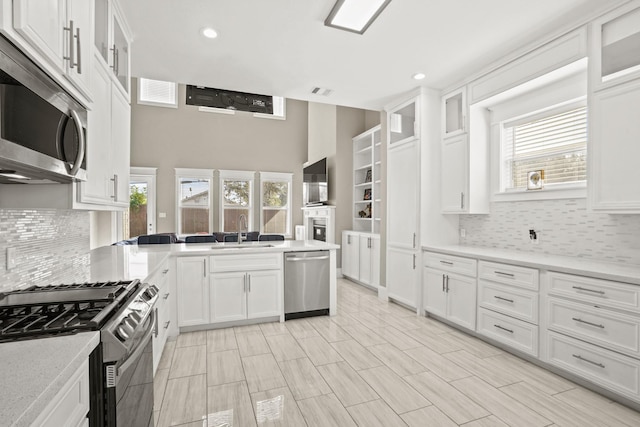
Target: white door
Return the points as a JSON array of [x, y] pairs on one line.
[[142, 204], [461, 304], [455, 197], [350, 255], [365, 259], [193, 291], [434, 294], [228, 296], [263, 293]]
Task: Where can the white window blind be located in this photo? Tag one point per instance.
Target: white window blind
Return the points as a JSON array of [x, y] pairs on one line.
[[555, 142], [157, 92]]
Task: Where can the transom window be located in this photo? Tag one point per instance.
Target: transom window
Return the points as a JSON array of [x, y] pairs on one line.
[[554, 141]]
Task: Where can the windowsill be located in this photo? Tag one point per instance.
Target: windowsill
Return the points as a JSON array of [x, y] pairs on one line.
[[574, 192]]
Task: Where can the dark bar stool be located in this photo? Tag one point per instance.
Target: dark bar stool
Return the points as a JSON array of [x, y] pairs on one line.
[[206, 238]]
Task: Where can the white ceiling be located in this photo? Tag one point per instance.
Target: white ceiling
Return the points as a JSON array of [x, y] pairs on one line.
[[281, 47]]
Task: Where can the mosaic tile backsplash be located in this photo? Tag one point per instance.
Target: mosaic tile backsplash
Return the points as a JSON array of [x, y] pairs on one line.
[[52, 246], [564, 227]]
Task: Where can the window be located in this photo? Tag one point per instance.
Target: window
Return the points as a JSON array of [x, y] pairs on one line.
[[275, 202], [236, 193], [554, 141], [193, 188], [158, 93]]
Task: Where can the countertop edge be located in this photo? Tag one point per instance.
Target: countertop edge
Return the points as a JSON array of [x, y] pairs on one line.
[[563, 264]]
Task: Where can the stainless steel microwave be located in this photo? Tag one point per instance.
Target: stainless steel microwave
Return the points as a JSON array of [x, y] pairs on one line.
[[42, 128]]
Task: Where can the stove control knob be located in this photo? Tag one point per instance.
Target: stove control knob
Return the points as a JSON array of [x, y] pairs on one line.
[[135, 317], [122, 333], [149, 293], [130, 322]]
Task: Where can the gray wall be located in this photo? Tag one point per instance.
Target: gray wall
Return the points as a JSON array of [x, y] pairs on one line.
[[169, 138]]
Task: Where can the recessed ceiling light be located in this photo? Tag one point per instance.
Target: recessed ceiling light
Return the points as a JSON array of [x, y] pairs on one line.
[[209, 33], [419, 76]]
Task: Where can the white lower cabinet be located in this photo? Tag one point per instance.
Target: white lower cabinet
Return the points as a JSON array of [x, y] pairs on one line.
[[515, 333], [245, 295], [71, 405], [193, 291], [163, 311], [361, 257]]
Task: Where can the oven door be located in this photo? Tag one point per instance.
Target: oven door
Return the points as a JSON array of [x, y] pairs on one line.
[[130, 402]]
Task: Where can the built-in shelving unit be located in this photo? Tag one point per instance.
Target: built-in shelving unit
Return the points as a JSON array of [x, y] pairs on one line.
[[366, 181]]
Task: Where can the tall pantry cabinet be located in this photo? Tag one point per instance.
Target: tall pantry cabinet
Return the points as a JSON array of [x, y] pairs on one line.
[[403, 201]]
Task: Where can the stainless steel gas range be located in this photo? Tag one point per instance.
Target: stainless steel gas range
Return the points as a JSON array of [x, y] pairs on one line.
[[121, 367]]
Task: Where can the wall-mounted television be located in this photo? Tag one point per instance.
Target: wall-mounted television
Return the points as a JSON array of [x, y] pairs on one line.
[[315, 179]]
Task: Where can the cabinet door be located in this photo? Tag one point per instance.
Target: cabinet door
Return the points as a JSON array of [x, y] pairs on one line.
[[41, 23], [364, 259], [228, 296], [97, 189], [402, 276], [402, 122], [101, 29], [193, 291], [121, 56], [120, 146], [454, 113], [264, 295], [375, 260], [455, 167], [403, 205], [79, 72], [614, 149], [461, 300], [350, 255], [434, 296]]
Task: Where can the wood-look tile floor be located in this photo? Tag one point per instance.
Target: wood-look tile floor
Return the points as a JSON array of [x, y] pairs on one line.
[[374, 364]]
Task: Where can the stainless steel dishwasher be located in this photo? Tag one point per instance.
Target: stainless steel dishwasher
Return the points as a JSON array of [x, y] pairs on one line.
[[306, 284]]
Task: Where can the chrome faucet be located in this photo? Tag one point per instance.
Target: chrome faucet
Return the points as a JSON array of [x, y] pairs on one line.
[[242, 218]]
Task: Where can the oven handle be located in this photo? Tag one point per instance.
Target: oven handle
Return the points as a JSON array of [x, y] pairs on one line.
[[133, 357]]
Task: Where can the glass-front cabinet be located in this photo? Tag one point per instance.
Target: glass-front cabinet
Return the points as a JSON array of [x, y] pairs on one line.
[[113, 42], [615, 49], [454, 113], [402, 123]]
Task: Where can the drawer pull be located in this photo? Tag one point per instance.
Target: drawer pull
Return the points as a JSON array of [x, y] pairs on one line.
[[503, 299], [166, 296], [446, 262], [167, 323], [504, 274], [577, 319], [504, 329], [577, 356], [165, 271], [580, 288]]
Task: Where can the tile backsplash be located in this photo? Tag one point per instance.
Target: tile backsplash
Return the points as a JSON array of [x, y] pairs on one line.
[[52, 246], [564, 227]]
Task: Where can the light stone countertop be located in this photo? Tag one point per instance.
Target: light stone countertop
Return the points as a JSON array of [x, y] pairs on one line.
[[629, 273], [34, 371]]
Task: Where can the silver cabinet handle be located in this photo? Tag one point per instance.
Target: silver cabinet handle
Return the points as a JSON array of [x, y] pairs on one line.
[[461, 200], [165, 271], [348, 239], [167, 323], [414, 240], [447, 283], [503, 328], [204, 267], [155, 324], [446, 262], [78, 51], [71, 45], [244, 283], [577, 319], [166, 295], [115, 187], [443, 288], [414, 261], [115, 66], [577, 356], [580, 288], [503, 299], [500, 273], [249, 281]]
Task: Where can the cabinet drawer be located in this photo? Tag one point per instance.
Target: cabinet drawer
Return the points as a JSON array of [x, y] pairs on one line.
[[508, 300], [450, 263], [71, 405], [599, 326], [595, 291], [611, 370], [246, 262], [509, 274], [515, 333]]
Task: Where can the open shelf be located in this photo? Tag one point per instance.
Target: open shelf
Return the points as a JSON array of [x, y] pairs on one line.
[[366, 178]]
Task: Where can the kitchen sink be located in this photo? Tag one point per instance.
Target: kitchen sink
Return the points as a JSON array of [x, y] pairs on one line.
[[242, 246]]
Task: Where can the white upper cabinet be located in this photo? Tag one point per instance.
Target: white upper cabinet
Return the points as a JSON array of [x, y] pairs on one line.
[[402, 123], [454, 113], [615, 47], [112, 41], [60, 30]]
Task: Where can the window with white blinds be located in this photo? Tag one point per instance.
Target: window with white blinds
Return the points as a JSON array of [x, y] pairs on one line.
[[554, 141], [158, 93]]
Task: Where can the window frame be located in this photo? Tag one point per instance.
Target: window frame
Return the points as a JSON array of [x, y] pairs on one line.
[[140, 101], [227, 175], [198, 174], [277, 177]]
